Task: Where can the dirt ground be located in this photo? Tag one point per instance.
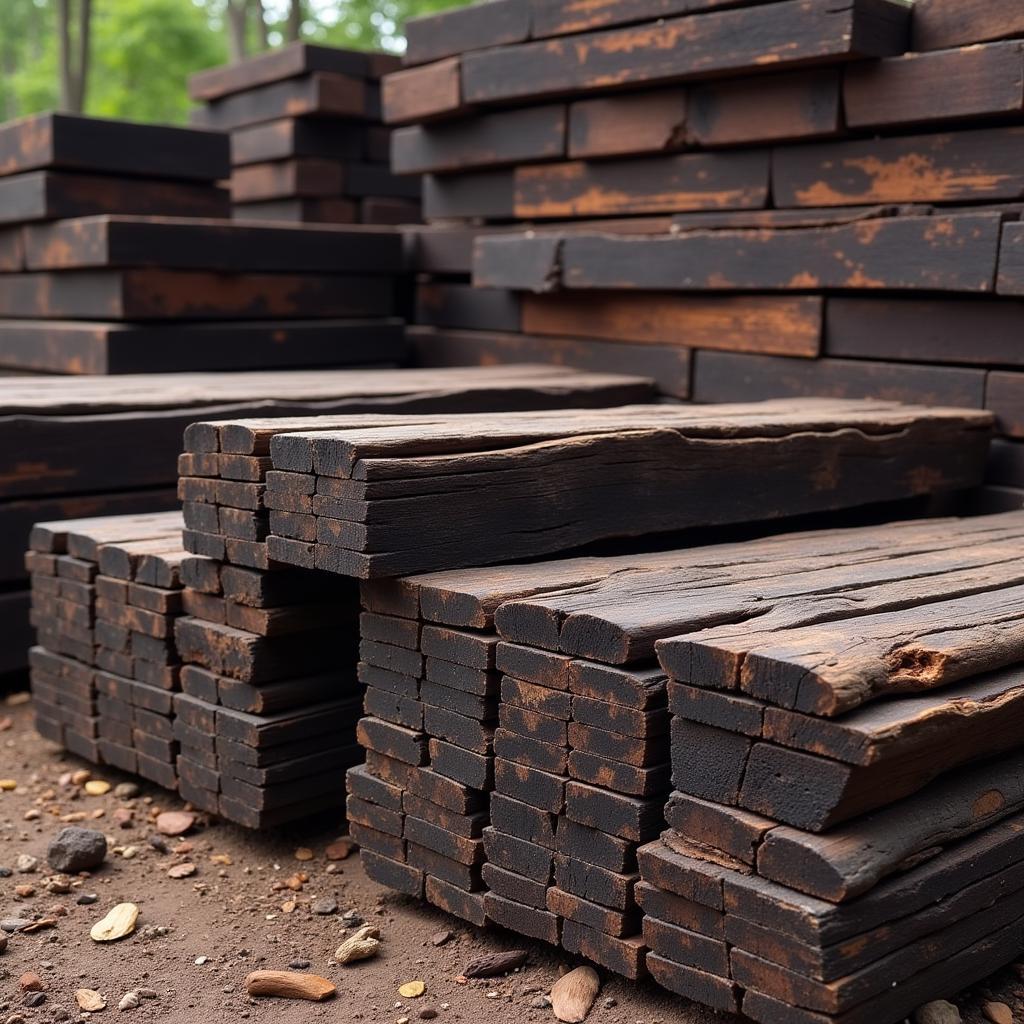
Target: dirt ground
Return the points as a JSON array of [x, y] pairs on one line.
[[198, 937]]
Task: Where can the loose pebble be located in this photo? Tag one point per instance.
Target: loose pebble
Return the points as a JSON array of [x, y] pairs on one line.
[[119, 923], [998, 1013], [97, 787], [303, 853], [75, 849], [129, 1001], [185, 870], [175, 823], [90, 1000], [325, 905], [412, 989], [937, 1012]]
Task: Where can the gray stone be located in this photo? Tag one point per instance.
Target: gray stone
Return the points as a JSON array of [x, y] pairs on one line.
[[75, 849]]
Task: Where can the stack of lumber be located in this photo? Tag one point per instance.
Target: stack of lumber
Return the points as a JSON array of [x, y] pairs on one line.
[[266, 715], [827, 857], [75, 447], [126, 294], [105, 593], [528, 484], [233, 500], [793, 197], [307, 142]]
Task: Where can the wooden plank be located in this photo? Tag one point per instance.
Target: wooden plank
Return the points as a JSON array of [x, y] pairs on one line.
[[506, 137], [476, 27], [770, 324], [562, 17], [321, 94], [780, 35], [446, 304], [299, 211], [489, 195], [294, 137], [423, 93], [938, 253], [969, 166], [776, 108], [167, 294], [699, 181], [965, 331], [99, 145], [1003, 392], [647, 122], [1011, 261], [49, 195], [290, 61], [166, 243], [938, 24], [918, 88], [728, 376], [305, 177]]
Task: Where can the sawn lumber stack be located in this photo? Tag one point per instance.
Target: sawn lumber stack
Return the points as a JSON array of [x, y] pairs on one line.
[[78, 447], [844, 801], [743, 200], [526, 484], [307, 142]]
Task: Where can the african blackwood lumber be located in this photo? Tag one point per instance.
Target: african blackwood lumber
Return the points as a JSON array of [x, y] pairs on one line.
[[668, 365], [444, 304], [336, 210], [697, 181], [740, 376], [780, 35], [89, 347], [154, 294], [957, 253], [423, 93], [320, 94], [291, 61], [938, 24], [560, 17], [388, 462], [972, 81], [976, 165], [208, 245], [1011, 261], [97, 145], [304, 177], [964, 331], [293, 137], [898, 651], [779, 325], [759, 586], [1003, 396], [48, 195], [1006, 463], [506, 137], [489, 195], [469, 28]]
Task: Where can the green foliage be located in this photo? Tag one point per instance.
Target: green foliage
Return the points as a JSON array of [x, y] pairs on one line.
[[144, 50]]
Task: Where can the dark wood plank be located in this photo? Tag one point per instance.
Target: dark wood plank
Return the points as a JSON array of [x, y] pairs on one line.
[[971, 166], [938, 24], [423, 93], [507, 137], [475, 27], [696, 181], [918, 88], [779, 35]]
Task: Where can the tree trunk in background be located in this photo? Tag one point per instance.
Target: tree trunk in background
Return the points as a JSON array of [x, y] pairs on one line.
[[260, 14], [74, 54], [236, 17], [293, 30]]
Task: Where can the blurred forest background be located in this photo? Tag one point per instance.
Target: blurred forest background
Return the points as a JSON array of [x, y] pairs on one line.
[[130, 58]]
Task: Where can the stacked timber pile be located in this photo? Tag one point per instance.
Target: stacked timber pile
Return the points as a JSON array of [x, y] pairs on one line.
[[105, 593], [126, 294], [824, 860], [66, 452], [790, 197], [266, 715], [570, 479], [307, 142]]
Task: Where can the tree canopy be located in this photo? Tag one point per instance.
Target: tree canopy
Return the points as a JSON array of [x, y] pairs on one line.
[[139, 53]]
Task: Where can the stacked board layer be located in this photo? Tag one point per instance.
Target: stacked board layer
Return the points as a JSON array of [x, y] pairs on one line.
[[125, 294], [307, 141], [76, 447], [831, 737], [778, 198], [227, 685], [525, 484]]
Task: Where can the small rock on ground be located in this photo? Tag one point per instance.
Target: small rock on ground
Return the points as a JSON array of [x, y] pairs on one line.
[[75, 849]]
